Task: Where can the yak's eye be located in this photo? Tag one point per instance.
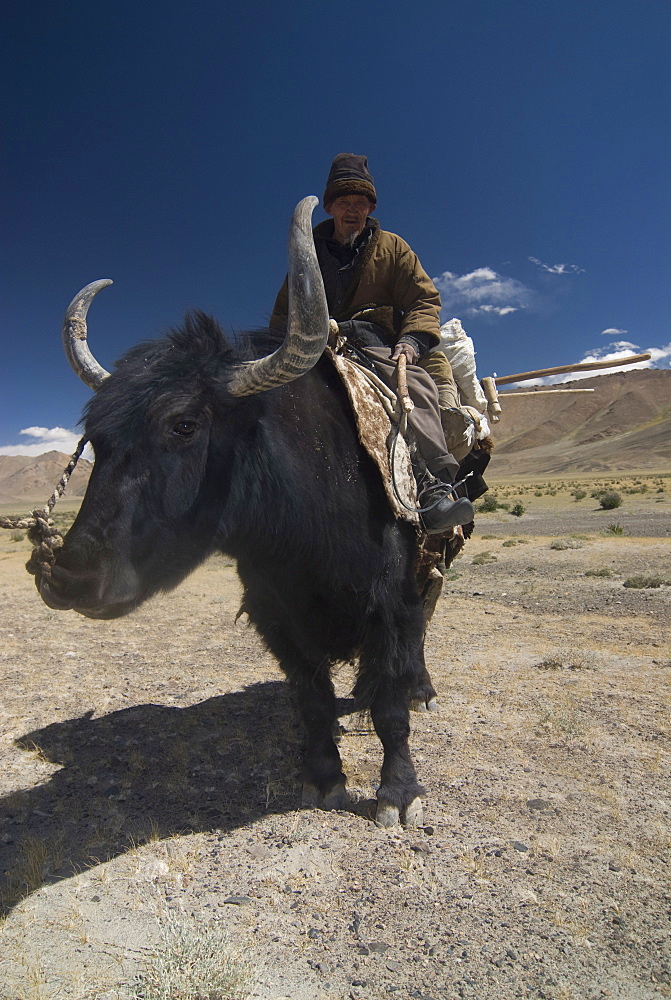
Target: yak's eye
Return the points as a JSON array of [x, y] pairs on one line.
[[184, 428]]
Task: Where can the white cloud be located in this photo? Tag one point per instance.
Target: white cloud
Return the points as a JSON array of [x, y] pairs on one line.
[[660, 358], [605, 353], [482, 292], [557, 268], [613, 331], [46, 439], [498, 310], [662, 354]]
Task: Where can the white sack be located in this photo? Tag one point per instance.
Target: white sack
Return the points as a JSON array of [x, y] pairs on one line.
[[458, 347]]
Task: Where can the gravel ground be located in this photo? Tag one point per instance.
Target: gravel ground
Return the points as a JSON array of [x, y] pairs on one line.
[[151, 772]]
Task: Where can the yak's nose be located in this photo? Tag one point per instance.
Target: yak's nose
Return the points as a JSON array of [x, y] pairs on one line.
[[65, 588], [52, 597]]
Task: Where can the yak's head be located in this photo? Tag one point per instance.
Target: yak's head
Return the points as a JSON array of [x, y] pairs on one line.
[[164, 426]]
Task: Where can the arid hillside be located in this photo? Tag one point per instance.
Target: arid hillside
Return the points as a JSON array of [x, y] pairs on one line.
[[625, 424]]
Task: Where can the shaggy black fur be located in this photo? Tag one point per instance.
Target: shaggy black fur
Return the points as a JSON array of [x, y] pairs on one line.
[[280, 482]]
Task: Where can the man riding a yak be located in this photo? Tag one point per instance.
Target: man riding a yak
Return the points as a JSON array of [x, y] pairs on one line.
[[251, 449], [386, 305]]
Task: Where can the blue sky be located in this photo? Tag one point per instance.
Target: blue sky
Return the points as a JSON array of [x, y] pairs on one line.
[[521, 148]]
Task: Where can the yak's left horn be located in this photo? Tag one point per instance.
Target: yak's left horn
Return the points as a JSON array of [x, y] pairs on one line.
[[75, 332], [308, 328]]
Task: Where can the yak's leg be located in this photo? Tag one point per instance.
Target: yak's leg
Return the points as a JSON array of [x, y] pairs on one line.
[[398, 794], [324, 781], [423, 696]]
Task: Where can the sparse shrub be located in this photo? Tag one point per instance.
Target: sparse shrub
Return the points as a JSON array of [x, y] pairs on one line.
[[553, 662], [635, 489], [609, 500], [193, 962], [16, 536], [508, 544], [489, 504], [518, 509], [614, 529], [565, 543], [644, 582], [579, 494], [565, 722], [605, 572], [538, 493], [568, 659], [488, 537], [483, 557]]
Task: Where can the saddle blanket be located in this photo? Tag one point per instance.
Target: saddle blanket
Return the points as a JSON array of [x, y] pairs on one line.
[[376, 433]]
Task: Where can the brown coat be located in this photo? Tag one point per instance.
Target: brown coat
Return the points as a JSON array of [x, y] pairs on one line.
[[389, 287]]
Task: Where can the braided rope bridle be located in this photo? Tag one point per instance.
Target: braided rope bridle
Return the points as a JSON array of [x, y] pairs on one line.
[[42, 531]]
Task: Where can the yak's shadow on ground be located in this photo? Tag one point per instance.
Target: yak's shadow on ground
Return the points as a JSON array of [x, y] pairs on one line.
[[148, 772]]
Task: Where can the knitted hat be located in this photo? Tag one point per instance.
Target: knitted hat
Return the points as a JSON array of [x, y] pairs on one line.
[[349, 174]]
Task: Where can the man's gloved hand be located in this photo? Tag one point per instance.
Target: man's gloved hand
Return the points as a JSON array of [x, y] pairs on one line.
[[410, 352]]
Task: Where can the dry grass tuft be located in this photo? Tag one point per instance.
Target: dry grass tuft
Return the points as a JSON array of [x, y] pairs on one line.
[[562, 721], [37, 859], [568, 659], [560, 544], [193, 962], [482, 558], [645, 582]]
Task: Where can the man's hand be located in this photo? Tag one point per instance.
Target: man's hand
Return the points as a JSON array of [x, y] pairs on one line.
[[410, 353]]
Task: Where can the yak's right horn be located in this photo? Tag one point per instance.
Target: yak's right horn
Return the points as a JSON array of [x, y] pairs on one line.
[[75, 333]]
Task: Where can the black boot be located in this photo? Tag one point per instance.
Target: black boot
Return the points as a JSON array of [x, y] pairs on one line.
[[475, 463], [440, 511]]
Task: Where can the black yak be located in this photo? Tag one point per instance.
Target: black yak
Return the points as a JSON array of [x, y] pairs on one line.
[[199, 449]]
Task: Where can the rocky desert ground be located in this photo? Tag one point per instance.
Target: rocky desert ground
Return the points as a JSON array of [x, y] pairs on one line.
[[151, 839]]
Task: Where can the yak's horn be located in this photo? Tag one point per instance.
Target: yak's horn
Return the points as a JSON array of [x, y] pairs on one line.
[[74, 336], [308, 328]]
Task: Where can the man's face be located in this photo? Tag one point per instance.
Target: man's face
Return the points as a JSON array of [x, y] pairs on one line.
[[349, 212]]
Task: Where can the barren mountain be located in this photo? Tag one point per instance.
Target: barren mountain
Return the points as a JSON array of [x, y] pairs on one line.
[[624, 425], [26, 481]]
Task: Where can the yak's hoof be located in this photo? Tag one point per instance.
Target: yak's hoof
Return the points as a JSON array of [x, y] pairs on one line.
[[414, 814], [335, 798], [422, 705], [311, 797], [386, 815]]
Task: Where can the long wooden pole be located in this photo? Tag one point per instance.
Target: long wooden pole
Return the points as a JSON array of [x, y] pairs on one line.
[[587, 366], [543, 392]]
